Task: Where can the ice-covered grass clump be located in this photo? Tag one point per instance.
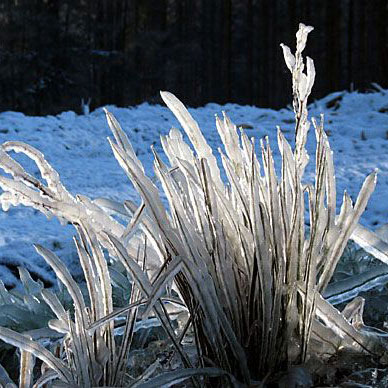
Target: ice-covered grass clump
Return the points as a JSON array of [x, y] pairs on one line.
[[235, 254]]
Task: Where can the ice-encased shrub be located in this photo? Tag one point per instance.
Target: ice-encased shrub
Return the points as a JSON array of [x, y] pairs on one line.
[[89, 353], [238, 253]]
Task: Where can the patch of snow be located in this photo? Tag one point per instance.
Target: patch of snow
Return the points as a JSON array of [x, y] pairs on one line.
[[76, 146]]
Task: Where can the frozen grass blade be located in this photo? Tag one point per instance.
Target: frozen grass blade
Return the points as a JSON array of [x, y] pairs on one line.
[[121, 138], [194, 133], [159, 286], [5, 380], [47, 172], [371, 243], [45, 378], [27, 363], [24, 343], [64, 275], [169, 379], [348, 226], [56, 306], [144, 285]]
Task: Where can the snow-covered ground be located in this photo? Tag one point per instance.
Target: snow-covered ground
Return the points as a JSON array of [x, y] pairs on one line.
[[77, 148]]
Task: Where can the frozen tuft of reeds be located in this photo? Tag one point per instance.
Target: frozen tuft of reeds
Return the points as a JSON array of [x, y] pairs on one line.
[[237, 253]]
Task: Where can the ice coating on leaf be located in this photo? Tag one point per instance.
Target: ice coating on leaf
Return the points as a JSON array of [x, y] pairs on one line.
[[145, 187], [27, 363], [228, 133], [194, 133], [174, 147], [31, 286], [121, 138], [371, 242], [5, 380], [38, 351], [301, 36], [302, 86], [310, 75], [48, 173], [347, 222], [288, 57]]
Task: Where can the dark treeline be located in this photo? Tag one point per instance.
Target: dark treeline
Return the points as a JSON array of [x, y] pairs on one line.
[[55, 52]]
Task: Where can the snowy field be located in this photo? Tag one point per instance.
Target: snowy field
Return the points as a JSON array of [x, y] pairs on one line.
[[76, 146]]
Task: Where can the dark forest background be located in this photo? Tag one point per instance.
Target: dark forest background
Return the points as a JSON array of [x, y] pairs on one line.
[[55, 52]]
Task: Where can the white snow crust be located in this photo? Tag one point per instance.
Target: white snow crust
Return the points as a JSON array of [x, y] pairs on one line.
[[76, 146]]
